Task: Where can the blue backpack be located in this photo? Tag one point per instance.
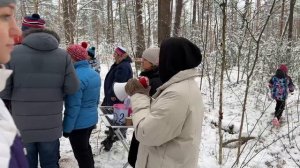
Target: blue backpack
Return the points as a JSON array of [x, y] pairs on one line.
[[280, 88]]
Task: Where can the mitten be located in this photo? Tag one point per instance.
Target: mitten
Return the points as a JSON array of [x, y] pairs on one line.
[[66, 135], [134, 86]]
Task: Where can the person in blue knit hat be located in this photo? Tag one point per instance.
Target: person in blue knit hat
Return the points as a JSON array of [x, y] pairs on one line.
[[93, 61]]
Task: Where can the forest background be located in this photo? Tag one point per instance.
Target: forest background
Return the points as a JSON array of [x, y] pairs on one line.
[[242, 43]]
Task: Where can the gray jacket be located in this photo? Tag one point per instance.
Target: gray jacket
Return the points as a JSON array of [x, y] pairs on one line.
[[42, 75]]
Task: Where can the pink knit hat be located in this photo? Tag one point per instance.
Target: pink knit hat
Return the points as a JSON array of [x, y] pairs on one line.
[[120, 50], [77, 52], [284, 68]]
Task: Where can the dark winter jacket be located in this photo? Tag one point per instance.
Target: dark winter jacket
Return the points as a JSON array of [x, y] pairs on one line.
[[81, 107], [120, 73], [154, 82], [280, 84], [95, 64], [42, 75]]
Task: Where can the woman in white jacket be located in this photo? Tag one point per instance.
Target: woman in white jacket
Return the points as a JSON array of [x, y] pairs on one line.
[[169, 126], [11, 148]]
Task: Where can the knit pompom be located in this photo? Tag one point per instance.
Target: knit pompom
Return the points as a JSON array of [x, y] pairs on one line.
[[84, 44]]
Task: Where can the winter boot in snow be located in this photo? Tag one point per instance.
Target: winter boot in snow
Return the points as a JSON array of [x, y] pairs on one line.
[[107, 143], [275, 122]]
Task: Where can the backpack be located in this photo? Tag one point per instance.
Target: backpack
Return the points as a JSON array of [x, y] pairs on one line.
[[280, 88]]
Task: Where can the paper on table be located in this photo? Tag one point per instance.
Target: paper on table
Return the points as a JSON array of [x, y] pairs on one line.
[[110, 116]]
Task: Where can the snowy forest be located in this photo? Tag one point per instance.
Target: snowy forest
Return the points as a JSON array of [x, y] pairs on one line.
[[242, 44]]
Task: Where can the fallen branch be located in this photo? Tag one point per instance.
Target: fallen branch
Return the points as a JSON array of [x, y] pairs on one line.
[[243, 140]]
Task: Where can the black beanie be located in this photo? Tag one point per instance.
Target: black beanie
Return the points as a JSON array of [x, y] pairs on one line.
[[177, 54]]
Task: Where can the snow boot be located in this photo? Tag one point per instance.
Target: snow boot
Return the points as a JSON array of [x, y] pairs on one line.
[[275, 122]]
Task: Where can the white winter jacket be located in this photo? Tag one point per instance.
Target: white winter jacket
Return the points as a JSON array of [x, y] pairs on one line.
[[169, 127]]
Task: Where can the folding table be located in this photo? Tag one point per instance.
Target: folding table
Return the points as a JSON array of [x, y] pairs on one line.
[[104, 112]]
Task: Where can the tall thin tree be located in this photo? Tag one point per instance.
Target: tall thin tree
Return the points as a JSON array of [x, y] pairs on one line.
[[140, 39], [164, 19], [223, 6], [176, 29]]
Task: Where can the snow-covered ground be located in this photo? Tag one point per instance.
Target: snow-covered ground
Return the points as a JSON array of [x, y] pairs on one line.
[[271, 147]]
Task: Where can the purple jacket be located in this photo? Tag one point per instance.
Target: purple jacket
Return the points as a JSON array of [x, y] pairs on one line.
[[12, 150]]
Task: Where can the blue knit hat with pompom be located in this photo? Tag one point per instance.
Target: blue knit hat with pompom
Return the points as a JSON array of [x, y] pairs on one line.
[[91, 52]]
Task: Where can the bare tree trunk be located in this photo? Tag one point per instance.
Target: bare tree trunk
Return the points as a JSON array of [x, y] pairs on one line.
[[282, 18], [290, 31], [178, 12], [246, 12], [129, 28], [224, 13], [120, 21], [36, 6], [194, 13], [23, 8], [67, 20], [73, 13], [164, 19], [205, 44], [201, 25], [109, 22], [140, 39], [198, 13], [149, 25], [257, 14]]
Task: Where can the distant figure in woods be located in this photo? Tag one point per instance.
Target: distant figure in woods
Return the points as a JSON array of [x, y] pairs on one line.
[[120, 72], [280, 84], [81, 108]]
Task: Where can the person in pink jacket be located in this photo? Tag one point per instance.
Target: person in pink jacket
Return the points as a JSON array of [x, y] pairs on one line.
[[11, 147], [169, 126]]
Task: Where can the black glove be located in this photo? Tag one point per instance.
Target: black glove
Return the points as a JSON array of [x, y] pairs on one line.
[[134, 86], [66, 135]]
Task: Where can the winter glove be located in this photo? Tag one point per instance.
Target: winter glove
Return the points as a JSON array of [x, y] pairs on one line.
[[66, 135], [134, 86]]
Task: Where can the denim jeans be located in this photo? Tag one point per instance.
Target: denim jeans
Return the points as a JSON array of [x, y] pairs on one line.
[[47, 152]]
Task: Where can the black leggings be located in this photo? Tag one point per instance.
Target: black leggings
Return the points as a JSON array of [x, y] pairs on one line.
[[279, 108], [82, 150]]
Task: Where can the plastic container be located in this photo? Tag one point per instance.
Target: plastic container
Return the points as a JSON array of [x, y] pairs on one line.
[[120, 113]]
